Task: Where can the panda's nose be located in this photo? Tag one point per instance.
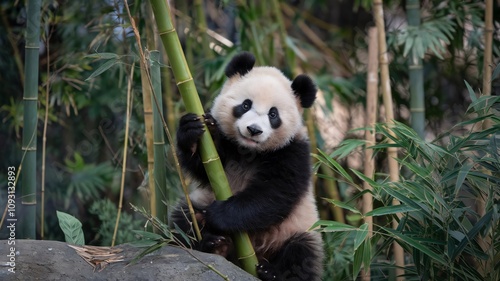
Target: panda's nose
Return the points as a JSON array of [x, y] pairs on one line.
[[254, 130]]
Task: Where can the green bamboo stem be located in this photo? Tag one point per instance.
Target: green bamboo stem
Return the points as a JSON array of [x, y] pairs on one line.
[[416, 74], [30, 98], [192, 103], [392, 152], [158, 140]]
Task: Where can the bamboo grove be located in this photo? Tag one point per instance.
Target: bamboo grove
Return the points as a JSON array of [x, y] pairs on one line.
[[404, 135]]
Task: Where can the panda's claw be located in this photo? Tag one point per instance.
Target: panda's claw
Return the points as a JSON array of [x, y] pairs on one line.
[[266, 271]]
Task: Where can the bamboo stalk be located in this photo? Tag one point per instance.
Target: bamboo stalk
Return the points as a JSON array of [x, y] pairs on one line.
[[30, 98], [392, 152], [484, 242], [148, 123], [159, 142], [192, 102], [289, 54], [202, 28], [371, 119], [416, 75], [147, 93], [125, 150], [488, 45]]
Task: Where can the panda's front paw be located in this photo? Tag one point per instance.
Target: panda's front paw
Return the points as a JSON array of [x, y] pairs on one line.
[[266, 272], [189, 132]]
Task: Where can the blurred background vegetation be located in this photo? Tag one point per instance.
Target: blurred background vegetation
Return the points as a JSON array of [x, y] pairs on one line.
[[88, 48]]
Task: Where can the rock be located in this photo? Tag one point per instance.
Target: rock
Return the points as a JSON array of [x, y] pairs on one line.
[[53, 260]]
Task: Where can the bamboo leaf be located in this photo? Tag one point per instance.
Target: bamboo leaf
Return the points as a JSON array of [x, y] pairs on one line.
[[360, 236], [342, 205], [471, 235], [472, 94], [390, 210], [462, 174], [183, 235], [417, 245], [335, 165], [332, 226], [105, 66], [72, 228], [144, 235], [346, 147], [358, 260], [102, 56]]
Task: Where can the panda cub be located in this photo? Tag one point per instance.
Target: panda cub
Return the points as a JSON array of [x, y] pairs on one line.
[[257, 127]]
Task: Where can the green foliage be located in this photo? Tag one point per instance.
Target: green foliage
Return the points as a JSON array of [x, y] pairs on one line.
[[429, 35], [106, 211], [72, 228], [441, 227], [88, 180]]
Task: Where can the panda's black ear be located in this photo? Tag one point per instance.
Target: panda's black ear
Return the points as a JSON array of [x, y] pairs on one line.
[[304, 88], [241, 64]]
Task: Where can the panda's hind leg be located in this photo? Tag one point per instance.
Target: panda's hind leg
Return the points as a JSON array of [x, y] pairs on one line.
[[210, 243], [300, 258]]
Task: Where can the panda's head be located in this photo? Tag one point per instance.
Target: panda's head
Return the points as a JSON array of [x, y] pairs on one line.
[[259, 107]]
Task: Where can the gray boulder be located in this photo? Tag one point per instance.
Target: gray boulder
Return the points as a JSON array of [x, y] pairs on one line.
[[53, 260]]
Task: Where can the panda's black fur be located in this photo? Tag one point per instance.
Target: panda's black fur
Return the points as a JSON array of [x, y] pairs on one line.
[[270, 178]]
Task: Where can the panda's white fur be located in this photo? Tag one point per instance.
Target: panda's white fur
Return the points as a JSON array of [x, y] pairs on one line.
[[269, 171]]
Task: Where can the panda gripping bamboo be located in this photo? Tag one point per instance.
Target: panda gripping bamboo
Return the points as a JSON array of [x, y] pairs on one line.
[[192, 103]]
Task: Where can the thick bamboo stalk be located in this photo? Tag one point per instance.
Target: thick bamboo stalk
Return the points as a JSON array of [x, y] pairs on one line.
[[125, 150], [159, 142], [192, 102], [30, 98], [392, 152], [416, 74]]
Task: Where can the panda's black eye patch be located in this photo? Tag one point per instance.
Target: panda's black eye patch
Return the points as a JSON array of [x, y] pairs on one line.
[[274, 118], [242, 108]]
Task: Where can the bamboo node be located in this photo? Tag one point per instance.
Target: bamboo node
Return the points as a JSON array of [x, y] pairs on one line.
[[31, 47], [184, 81], [415, 66], [31, 148], [418, 109], [167, 31], [210, 160], [246, 257], [158, 142], [30, 99]]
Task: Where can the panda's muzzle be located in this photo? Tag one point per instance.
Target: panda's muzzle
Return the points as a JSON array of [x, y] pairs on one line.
[[254, 130]]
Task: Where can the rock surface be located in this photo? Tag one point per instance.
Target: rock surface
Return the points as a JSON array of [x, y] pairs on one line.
[[53, 260]]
